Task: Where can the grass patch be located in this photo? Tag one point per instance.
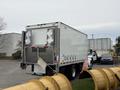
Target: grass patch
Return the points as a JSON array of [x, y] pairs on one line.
[[83, 84]]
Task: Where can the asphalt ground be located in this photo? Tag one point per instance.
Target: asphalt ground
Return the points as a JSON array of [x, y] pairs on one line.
[[11, 74]]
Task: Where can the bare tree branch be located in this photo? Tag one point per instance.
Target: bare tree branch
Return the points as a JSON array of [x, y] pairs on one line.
[[2, 24]]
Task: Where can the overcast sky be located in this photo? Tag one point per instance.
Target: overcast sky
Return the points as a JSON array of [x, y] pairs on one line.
[[98, 17]]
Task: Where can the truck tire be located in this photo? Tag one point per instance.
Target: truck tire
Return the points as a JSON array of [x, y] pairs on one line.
[[72, 73], [23, 66], [49, 71]]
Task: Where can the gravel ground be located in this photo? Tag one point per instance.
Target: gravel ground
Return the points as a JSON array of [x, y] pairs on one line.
[[11, 74]]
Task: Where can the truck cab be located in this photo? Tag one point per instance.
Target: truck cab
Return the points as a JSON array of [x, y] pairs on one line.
[[92, 57]]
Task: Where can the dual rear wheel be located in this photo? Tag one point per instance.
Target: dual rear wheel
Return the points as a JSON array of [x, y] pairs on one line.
[[70, 71]]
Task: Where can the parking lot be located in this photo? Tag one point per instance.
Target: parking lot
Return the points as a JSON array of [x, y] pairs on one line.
[[11, 74]]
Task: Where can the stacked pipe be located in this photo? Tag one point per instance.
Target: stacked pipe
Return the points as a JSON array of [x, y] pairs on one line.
[[31, 85], [56, 82], [105, 78]]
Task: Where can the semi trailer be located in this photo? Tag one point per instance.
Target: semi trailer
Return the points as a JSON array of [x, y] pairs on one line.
[[54, 47]]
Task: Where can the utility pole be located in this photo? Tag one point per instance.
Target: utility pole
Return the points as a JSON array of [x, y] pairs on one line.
[[92, 36], [93, 42]]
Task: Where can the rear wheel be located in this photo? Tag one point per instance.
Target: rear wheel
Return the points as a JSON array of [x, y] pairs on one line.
[[69, 71], [72, 72], [23, 66], [49, 70]]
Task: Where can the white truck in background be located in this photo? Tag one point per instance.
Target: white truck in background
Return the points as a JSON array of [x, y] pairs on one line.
[[100, 46], [54, 47]]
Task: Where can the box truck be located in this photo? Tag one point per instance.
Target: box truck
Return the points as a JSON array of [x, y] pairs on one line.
[[54, 47], [100, 46]]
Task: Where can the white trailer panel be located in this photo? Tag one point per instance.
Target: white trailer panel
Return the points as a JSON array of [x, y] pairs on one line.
[[101, 52], [73, 44], [65, 48], [100, 44]]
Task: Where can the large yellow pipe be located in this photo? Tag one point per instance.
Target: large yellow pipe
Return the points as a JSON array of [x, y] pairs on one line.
[[32, 85], [62, 82], [118, 75], [49, 83], [99, 79], [116, 71], [56, 82], [111, 78]]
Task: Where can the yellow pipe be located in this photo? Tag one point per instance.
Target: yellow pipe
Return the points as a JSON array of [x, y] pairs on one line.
[[118, 75], [56, 82], [99, 79], [116, 71], [49, 83], [31, 85], [62, 82], [111, 78]]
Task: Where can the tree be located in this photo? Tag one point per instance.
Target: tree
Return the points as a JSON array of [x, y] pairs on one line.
[[17, 54], [2, 24], [118, 39], [2, 27], [2, 39], [19, 45], [117, 46]]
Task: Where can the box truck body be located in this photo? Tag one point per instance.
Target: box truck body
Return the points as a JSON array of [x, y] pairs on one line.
[[100, 45], [54, 45]]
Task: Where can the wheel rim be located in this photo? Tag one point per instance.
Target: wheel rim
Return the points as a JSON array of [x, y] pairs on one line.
[[73, 73]]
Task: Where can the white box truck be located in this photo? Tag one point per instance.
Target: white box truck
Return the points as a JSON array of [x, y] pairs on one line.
[[100, 45], [54, 47]]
